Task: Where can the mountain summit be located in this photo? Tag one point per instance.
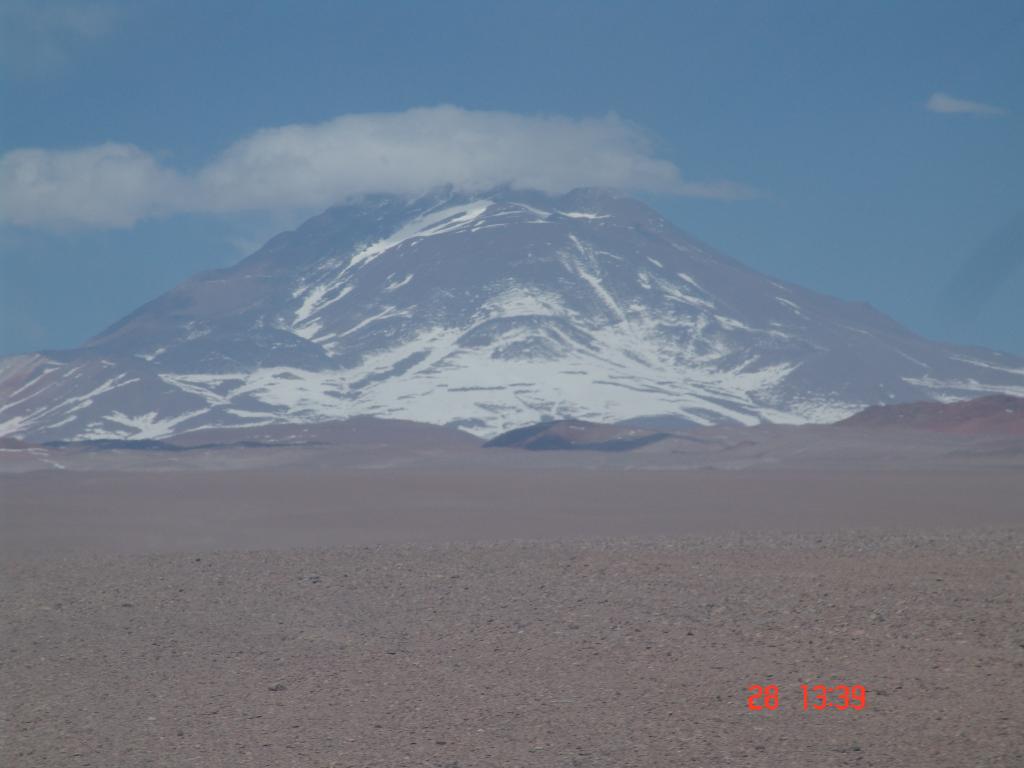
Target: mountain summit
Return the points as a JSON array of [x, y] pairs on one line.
[[487, 312]]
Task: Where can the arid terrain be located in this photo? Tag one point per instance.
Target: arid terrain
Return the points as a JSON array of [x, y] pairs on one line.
[[521, 654], [510, 617]]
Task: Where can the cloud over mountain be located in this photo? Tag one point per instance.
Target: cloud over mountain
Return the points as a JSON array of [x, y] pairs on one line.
[[109, 185], [315, 165]]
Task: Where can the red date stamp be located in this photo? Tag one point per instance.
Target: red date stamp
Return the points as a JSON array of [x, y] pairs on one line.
[[816, 697]]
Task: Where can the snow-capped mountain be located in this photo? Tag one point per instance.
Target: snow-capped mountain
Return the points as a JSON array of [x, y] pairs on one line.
[[486, 312]]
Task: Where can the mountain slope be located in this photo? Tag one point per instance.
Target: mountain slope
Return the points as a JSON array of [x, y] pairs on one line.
[[488, 313]]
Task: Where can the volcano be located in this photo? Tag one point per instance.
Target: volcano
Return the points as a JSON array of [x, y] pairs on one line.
[[486, 312]]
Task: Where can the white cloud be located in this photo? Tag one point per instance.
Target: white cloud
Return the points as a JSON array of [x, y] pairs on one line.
[[948, 105], [314, 166], [110, 185]]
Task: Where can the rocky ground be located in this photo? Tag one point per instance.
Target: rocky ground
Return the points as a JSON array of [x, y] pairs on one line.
[[588, 654], [69, 514]]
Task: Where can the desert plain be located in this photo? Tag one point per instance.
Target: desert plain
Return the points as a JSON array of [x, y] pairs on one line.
[[455, 611]]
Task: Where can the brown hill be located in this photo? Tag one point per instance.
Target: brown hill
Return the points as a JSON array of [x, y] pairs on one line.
[[993, 414]]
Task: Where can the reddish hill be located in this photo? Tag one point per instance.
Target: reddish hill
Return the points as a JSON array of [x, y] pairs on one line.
[[994, 414]]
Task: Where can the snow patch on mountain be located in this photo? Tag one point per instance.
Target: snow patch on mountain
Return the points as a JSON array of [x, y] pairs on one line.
[[427, 225]]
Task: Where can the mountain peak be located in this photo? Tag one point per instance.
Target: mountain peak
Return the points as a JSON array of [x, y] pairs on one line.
[[488, 311]]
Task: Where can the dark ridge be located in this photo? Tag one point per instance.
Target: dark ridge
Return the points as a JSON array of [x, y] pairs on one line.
[[514, 437], [109, 444], [576, 435]]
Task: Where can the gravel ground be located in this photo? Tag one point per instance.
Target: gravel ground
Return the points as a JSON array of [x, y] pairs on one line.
[[586, 654], [70, 514]]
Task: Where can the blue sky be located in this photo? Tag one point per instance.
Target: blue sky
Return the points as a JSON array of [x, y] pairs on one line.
[[870, 150]]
